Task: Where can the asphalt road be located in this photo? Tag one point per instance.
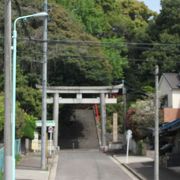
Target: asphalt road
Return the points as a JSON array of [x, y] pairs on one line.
[[88, 165]]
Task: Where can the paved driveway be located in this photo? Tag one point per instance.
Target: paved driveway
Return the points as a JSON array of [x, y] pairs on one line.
[[88, 165]]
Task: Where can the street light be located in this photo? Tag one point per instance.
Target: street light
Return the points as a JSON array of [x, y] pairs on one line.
[[13, 115]]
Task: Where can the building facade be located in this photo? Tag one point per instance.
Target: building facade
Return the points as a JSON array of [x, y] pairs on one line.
[[169, 93]]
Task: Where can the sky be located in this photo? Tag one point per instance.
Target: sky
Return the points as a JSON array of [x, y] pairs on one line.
[[153, 4]]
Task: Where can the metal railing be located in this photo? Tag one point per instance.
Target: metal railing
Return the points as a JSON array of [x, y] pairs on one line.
[[17, 152], [1, 159]]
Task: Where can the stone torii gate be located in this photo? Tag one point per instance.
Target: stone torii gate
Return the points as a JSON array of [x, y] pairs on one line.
[[102, 98]]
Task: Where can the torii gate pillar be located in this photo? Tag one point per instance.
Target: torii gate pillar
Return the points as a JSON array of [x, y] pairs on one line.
[[103, 120], [56, 118]]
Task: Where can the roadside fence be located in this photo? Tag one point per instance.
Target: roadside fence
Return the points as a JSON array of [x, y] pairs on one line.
[[17, 152]]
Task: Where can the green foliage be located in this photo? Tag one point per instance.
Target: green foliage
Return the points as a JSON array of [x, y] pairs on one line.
[[122, 21], [105, 18], [113, 22], [71, 63], [68, 63], [89, 14], [115, 108], [18, 158], [165, 30], [148, 89], [1, 175], [30, 125], [163, 38], [30, 99], [141, 148], [20, 120], [129, 18], [1, 112], [142, 118], [116, 54], [168, 19], [25, 124], [80, 72]]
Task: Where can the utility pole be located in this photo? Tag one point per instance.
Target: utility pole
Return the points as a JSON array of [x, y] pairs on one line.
[[8, 159], [125, 106], [156, 134], [44, 95]]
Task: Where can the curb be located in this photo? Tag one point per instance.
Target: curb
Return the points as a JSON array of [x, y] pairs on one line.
[[136, 174], [140, 177]]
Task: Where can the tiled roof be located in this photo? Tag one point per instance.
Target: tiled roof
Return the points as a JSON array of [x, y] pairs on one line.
[[171, 126], [173, 80]]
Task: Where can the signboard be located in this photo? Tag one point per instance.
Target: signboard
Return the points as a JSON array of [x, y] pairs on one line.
[[48, 123], [50, 129]]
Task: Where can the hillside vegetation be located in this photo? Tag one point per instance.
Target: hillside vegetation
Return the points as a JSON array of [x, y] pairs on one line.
[[92, 42]]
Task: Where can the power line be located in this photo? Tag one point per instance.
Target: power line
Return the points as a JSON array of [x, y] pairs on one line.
[[89, 43], [128, 60], [58, 51], [73, 57]]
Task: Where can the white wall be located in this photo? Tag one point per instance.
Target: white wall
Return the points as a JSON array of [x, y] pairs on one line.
[[165, 89], [176, 98]]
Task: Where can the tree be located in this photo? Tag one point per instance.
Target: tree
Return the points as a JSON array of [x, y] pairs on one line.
[[165, 39], [29, 127], [115, 108], [122, 21], [93, 42], [160, 46], [108, 18], [89, 13], [168, 19], [25, 124], [68, 63], [141, 117], [129, 18], [116, 51]]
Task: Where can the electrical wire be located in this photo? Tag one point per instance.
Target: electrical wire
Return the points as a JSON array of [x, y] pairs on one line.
[[90, 43]]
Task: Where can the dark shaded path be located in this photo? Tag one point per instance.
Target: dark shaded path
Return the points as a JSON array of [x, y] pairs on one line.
[[80, 131]]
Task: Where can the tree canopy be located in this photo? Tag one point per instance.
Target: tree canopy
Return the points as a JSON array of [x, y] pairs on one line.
[[25, 124], [92, 42]]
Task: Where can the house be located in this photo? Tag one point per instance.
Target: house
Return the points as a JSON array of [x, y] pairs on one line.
[[169, 93], [169, 134]]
